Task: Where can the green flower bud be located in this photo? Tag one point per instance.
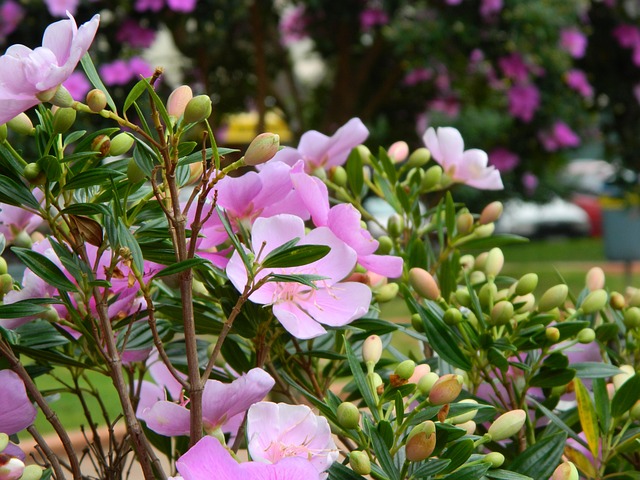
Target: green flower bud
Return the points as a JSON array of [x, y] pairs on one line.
[[262, 148], [496, 459], [491, 213], [477, 277], [416, 322], [552, 334], [96, 100], [360, 462], [372, 349], [553, 298], [377, 381], [101, 145], [484, 231], [197, 109], [63, 119], [3, 132], [469, 427], [452, 316], [632, 317], [387, 292], [507, 424], [426, 382], [463, 297], [33, 172], [594, 302], [634, 296], [178, 100], [634, 412], [524, 303], [22, 240], [31, 472], [586, 335], [339, 177], [501, 313], [616, 301], [464, 223], [527, 284], [395, 225], [626, 372], [134, 172], [385, 245], [421, 442], [348, 415], [465, 417], [487, 294], [423, 283], [419, 157], [120, 144], [446, 389], [495, 262], [4, 441], [565, 471], [405, 369], [467, 262], [3, 269], [431, 178], [21, 124], [365, 154], [61, 98]]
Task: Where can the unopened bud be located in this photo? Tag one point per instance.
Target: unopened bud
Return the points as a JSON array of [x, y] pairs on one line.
[[178, 100], [501, 313], [262, 148], [421, 442], [416, 322], [464, 223], [487, 294], [465, 417], [626, 372], [491, 213], [452, 316], [398, 152], [463, 297], [484, 231], [507, 424], [426, 382], [469, 427], [594, 302], [495, 262], [387, 293], [360, 462], [4, 441], [595, 279], [61, 98], [565, 471], [586, 335], [197, 109], [431, 178], [405, 369], [633, 295], [467, 262], [134, 173], [63, 119], [446, 389], [496, 459], [420, 371], [632, 317], [524, 303], [372, 349], [385, 245], [634, 412], [348, 415], [32, 472], [423, 283], [21, 124], [616, 301], [101, 145], [33, 172], [395, 225], [552, 334], [3, 269], [339, 176], [11, 468], [96, 100], [419, 157], [554, 297], [120, 144], [527, 284]]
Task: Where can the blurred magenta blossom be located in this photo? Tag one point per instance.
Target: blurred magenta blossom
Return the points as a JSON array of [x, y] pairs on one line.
[[77, 85], [577, 80], [573, 41], [59, 8], [559, 136], [524, 101], [11, 14], [503, 159]]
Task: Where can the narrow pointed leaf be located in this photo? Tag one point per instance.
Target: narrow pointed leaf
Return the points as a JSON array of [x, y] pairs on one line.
[[541, 459], [588, 418], [182, 266], [16, 194], [296, 256], [94, 78], [44, 268], [626, 396]]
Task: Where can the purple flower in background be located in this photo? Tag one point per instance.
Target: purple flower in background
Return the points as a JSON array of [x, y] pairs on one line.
[[449, 105], [513, 67], [560, 136], [139, 67], [573, 41], [15, 220], [490, 7], [137, 36], [293, 25], [116, 73], [59, 8], [417, 75], [577, 80], [628, 36], [78, 86], [208, 459], [27, 74], [11, 14], [153, 5], [372, 17], [184, 6], [524, 100], [530, 182], [503, 159]]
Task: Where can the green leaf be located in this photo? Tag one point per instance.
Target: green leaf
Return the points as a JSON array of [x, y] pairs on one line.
[[458, 453], [341, 472], [51, 167], [431, 467], [304, 279], [553, 377], [95, 176], [49, 356], [133, 95], [182, 266], [588, 418], [44, 268], [16, 194], [541, 459], [21, 309], [594, 369], [40, 335], [556, 421], [296, 256], [500, 474], [626, 396], [602, 402], [94, 78], [86, 209], [155, 99], [381, 450], [450, 214], [354, 172], [361, 381], [470, 472]]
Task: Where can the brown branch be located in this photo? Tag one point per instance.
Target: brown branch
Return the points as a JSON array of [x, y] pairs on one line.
[[51, 456]]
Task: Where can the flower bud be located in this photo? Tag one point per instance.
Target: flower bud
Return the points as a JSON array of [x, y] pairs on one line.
[[423, 283], [491, 213], [101, 145], [595, 279], [633, 295], [32, 472], [467, 262], [632, 317], [96, 100], [526, 303], [452, 316], [4, 441], [496, 459], [11, 468], [634, 412], [372, 349], [134, 172], [501, 313], [405, 369], [61, 98], [446, 389], [63, 119], [378, 384], [348, 415], [178, 100], [469, 427], [262, 148], [484, 231], [616, 300], [477, 277], [197, 109], [360, 462], [120, 144], [420, 371], [463, 297], [398, 152], [626, 372], [416, 322], [554, 297], [527, 284], [3, 269], [421, 442], [507, 424], [395, 225], [6, 283], [387, 293], [339, 176], [565, 471], [3, 132], [431, 178], [21, 124], [426, 382], [33, 172], [465, 417], [552, 334], [464, 223], [594, 302], [487, 294], [385, 245], [495, 262], [419, 157], [586, 335]]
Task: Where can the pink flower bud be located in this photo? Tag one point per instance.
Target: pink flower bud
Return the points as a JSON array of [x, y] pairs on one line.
[[565, 471], [507, 424], [420, 371], [262, 148], [491, 213], [372, 349], [11, 468], [595, 279], [494, 263], [178, 100], [446, 389], [421, 442], [398, 152], [424, 283]]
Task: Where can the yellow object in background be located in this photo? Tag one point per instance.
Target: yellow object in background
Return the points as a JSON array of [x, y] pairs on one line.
[[241, 127]]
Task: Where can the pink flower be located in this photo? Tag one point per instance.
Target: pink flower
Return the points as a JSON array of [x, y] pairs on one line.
[[59, 8], [11, 14], [301, 309], [628, 36], [577, 80], [293, 25], [574, 42], [417, 75], [17, 411], [220, 403], [153, 5], [560, 136], [135, 35], [207, 459], [184, 6], [513, 67], [524, 100], [320, 151], [503, 159], [115, 73], [530, 182], [276, 431], [77, 85], [26, 73], [139, 67], [490, 7], [372, 17], [468, 167]]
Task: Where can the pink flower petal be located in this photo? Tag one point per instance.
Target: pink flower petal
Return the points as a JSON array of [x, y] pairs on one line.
[[17, 412]]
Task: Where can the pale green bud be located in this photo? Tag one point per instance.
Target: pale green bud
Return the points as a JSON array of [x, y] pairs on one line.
[[197, 109], [617, 301], [501, 313], [626, 372], [21, 124], [405, 369], [4, 441], [634, 296], [424, 284], [426, 382], [487, 294], [3, 269], [134, 172], [372, 349], [419, 157], [634, 412], [553, 298], [495, 262], [465, 417], [527, 284], [385, 245], [491, 213], [61, 98], [586, 335], [452, 316], [526, 303], [31, 472], [387, 292], [464, 223], [431, 178], [594, 302], [262, 148], [395, 225], [552, 334], [496, 459], [365, 154], [416, 322], [632, 317], [33, 172], [484, 231], [96, 100], [348, 415], [339, 176], [446, 389], [507, 424], [565, 471], [477, 277], [469, 427], [121, 144], [463, 297], [360, 462], [63, 119], [467, 262]]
